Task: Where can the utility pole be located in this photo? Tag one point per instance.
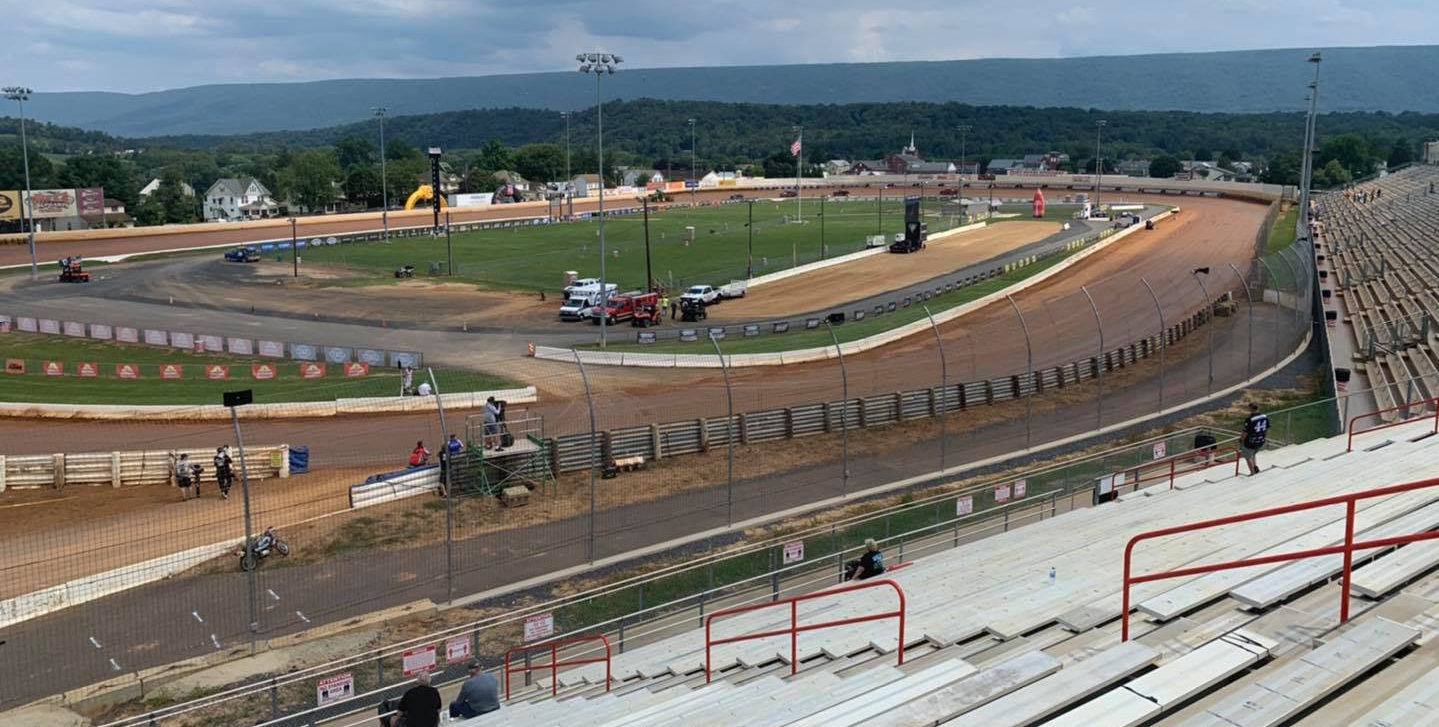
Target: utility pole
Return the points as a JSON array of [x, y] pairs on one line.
[[749, 259], [964, 130], [384, 182], [1098, 159], [569, 180], [1310, 131], [600, 64], [21, 94], [649, 272], [694, 170], [294, 248]]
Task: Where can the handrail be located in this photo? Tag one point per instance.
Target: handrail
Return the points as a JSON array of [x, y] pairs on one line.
[[555, 663], [1425, 402], [1212, 458], [794, 627], [1347, 548]]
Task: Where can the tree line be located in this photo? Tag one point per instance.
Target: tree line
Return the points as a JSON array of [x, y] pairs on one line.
[[308, 168]]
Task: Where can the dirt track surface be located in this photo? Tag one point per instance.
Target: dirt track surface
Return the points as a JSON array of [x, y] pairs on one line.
[[881, 273]]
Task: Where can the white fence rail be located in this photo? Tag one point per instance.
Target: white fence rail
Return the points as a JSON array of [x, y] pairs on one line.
[[125, 469]]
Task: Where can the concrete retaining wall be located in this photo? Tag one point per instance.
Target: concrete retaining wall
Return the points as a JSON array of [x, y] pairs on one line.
[[288, 410], [126, 469], [842, 259]]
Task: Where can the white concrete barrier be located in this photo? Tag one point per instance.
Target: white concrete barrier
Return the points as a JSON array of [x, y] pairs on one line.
[[842, 259], [398, 486], [286, 410]]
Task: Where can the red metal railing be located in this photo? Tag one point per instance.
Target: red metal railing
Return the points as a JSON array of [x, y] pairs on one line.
[[1347, 548], [794, 627], [1169, 469], [1385, 425], [555, 664]]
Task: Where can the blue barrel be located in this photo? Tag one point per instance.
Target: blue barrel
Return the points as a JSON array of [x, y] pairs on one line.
[[299, 460]]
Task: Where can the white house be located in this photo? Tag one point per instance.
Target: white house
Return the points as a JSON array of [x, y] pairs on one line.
[[238, 199], [154, 184]]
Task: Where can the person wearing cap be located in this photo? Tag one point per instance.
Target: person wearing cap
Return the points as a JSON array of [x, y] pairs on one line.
[[480, 694]]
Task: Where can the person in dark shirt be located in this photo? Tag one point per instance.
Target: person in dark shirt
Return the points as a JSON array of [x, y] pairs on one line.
[[1256, 432], [420, 705], [866, 566]]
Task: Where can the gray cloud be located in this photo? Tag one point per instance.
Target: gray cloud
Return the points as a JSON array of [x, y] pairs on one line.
[[156, 44]]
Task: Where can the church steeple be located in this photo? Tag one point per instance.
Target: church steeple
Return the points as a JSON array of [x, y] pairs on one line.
[[911, 150]]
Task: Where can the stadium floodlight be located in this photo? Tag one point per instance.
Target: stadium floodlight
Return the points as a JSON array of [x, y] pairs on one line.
[[21, 94], [601, 64], [384, 183]]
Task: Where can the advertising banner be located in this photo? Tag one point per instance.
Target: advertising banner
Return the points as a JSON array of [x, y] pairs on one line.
[[964, 505], [353, 370], [263, 372], [27, 324], [337, 354], [127, 371], [303, 352], [240, 346], [213, 344], [10, 204], [73, 328], [14, 365], [1160, 450], [400, 359], [418, 660], [4, 324], [54, 368], [126, 334], [87, 369], [273, 349], [172, 372], [156, 338], [312, 371], [101, 332], [181, 339], [216, 372], [49, 326], [51, 203], [90, 201], [472, 200], [1021, 489], [370, 357]]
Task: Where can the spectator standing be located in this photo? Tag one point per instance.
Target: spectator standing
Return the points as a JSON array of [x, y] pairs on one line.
[[407, 379], [492, 422], [183, 476], [420, 705], [224, 470], [454, 446], [1256, 433], [666, 306], [480, 694]]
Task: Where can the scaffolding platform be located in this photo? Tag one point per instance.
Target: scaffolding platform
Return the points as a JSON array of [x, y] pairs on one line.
[[525, 462]]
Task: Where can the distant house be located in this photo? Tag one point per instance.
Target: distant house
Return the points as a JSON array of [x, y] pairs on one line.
[[1134, 167], [631, 177], [1207, 171], [868, 167], [232, 199], [1429, 154], [512, 179], [837, 167], [154, 184], [968, 169], [113, 215], [1003, 166], [450, 181], [586, 184]]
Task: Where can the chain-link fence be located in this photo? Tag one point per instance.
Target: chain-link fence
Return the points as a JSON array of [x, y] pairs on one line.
[[108, 570]]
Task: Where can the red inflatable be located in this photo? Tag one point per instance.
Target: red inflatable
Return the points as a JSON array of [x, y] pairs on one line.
[[1038, 203]]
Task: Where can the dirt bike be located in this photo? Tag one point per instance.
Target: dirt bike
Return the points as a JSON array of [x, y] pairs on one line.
[[262, 548]]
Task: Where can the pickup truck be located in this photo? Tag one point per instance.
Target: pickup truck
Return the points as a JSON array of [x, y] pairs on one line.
[[243, 255], [704, 294]]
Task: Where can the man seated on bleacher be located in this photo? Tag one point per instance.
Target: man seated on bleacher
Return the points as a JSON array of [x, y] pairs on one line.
[[480, 694], [868, 565]]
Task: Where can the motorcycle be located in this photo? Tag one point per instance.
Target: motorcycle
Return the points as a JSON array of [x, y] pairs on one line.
[[262, 548], [407, 271]]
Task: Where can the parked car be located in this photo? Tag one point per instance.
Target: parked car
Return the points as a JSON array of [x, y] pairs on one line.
[[703, 294], [736, 197], [948, 192], [840, 193], [789, 193], [243, 255]]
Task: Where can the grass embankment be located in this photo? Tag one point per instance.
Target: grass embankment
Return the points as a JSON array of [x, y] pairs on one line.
[[193, 388], [1282, 234], [852, 330], [536, 257]]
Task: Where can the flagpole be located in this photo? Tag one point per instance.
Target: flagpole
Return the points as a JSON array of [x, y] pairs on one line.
[[798, 174]]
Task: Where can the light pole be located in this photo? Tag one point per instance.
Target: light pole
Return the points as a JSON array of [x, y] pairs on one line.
[[749, 258], [694, 169], [1208, 319], [21, 94], [294, 248], [600, 64], [963, 130], [569, 198], [435, 191], [649, 273], [384, 182], [1307, 165], [1098, 159]]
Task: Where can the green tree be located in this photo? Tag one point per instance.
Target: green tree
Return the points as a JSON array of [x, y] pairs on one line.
[[494, 155], [779, 165], [400, 150], [537, 162], [1352, 153], [353, 150], [1282, 169], [1332, 175], [362, 185], [311, 178], [1402, 152], [101, 170], [403, 177], [1165, 166], [12, 171], [168, 203]]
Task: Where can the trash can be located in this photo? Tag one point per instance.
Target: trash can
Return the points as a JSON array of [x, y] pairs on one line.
[[299, 460]]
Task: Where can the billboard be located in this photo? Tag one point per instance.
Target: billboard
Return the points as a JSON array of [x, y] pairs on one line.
[[48, 203], [472, 200], [90, 201], [9, 205]]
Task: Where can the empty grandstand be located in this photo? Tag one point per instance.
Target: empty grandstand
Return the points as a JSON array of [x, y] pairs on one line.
[[1375, 250]]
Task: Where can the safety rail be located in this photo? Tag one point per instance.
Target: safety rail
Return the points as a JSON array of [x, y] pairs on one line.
[[1168, 468], [794, 627], [1386, 425], [555, 664], [1347, 548]]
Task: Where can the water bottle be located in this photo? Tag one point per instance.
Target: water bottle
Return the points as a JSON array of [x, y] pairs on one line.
[[1051, 575]]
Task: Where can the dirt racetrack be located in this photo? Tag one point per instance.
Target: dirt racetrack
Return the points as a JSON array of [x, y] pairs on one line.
[[881, 273]]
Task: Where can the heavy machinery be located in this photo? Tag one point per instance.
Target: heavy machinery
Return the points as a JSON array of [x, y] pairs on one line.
[[72, 270]]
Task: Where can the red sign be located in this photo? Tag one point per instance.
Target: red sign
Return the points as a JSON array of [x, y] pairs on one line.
[[172, 372], [14, 365], [87, 370], [457, 649], [1001, 493], [540, 626], [54, 368], [264, 372], [964, 505], [356, 369], [216, 372], [1021, 488], [127, 371], [312, 371], [418, 660]]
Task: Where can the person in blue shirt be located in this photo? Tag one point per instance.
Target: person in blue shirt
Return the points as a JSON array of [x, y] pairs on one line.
[[480, 694]]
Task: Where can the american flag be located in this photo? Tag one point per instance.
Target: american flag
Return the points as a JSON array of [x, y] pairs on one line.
[[794, 148]]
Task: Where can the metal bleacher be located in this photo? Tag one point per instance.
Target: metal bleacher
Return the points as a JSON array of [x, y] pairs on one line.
[[991, 639]]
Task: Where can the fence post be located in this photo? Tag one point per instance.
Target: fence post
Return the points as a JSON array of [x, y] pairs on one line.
[[1249, 366], [447, 467], [729, 433], [843, 410], [1099, 370], [1029, 369], [585, 378], [943, 409], [274, 699]]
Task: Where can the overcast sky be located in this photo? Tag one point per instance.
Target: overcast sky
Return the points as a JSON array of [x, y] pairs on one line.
[[60, 45]]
